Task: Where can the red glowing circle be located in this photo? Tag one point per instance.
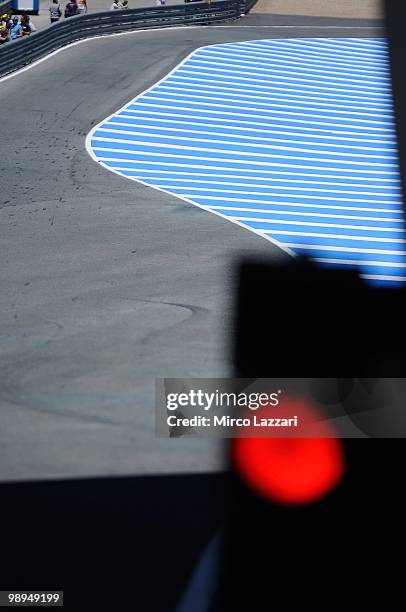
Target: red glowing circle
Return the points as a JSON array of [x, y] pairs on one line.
[[291, 470]]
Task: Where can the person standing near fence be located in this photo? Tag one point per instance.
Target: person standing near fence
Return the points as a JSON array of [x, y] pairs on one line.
[[4, 35], [71, 9], [55, 12], [82, 6]]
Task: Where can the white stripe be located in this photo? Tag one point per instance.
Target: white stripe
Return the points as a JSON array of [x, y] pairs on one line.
[[276, 56], [279, 57], [363, 42], [257, 178], [314, 224], [307, 51], [202, 88], [350, 48], [240, 114], [206, 73], [257, 116], [296, 76], [186, 126], [294, 46], [326, 94], [321, 40], [295, 72], [311, 57], [318, 247], [268, 114], [274, 195], [383, 277], [202, 181], [270, 202], [220, 159], [161, 93], [355, 262], [157, 116], [378, 41], [297, 204], [336, 44], [339, 51], [304, 214], [334, 236], [243, 144], [227, 152], [271, 173]]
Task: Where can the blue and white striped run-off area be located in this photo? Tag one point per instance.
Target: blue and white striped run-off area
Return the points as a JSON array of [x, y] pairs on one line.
[[293, 139]]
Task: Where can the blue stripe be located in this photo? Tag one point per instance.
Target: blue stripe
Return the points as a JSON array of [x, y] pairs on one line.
[[310, 167], [288, 82], [260, 100], [208, 177], [333, 210], [383, 258], [198, 193], [311, 73], [277, 228], [293, 150], [286, 174], [272, 191], [342, 133], [277, 91], [216, 152], [300, 219], [308, 142], [320, 117]]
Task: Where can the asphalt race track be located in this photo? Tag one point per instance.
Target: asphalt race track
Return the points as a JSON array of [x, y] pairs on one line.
[[106, 283]]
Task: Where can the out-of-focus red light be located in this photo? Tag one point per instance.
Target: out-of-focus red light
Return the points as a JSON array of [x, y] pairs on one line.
[[291, 470]]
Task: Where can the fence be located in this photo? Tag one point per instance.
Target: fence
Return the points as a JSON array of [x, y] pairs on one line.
[[21, 52], [5, 7]]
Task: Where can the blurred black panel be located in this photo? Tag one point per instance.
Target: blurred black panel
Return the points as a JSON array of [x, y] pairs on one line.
[[297, 319], [111, 544]]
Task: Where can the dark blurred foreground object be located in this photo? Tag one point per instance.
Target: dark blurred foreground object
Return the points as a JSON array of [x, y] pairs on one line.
[[111, 544], [346, 545]]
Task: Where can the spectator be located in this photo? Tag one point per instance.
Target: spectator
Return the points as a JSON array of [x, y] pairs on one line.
[[71, 9], [82, 6], [55, 12], [115, 6], [4, 35], [25, 25], [32, 26], [16, 29]]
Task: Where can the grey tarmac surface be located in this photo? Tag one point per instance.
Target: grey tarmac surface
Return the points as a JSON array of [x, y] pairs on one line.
[[106, 284]]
